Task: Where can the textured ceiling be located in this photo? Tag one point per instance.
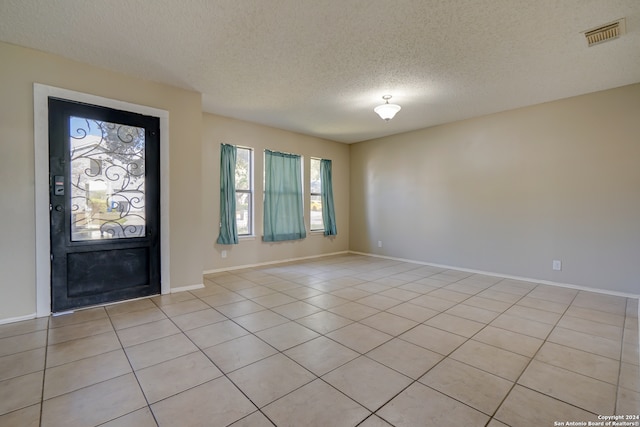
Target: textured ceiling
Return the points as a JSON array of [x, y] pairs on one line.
[[320, 66]]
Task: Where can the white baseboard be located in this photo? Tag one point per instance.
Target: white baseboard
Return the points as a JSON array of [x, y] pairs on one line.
[[508, 276], [187, 288], [262, 264], [18, 319]]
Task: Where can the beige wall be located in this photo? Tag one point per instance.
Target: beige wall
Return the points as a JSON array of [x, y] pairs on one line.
[[510, 192], [20, 69], [217, 130]]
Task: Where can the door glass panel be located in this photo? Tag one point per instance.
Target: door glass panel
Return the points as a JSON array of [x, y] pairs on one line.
[[107, 180]]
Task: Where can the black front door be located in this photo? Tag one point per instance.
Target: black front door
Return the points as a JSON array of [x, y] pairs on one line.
[[104, 167]]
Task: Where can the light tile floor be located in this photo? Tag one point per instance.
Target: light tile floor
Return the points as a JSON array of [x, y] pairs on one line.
[[337, 341]]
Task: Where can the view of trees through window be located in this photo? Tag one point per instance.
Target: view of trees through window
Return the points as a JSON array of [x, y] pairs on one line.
[[244, 189], [315, 200]]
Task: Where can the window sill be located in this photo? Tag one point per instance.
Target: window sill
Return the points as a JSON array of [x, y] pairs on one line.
[[247, 238]]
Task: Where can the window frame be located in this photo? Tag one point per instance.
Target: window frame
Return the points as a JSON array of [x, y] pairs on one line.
[[312, 194], [250, 192]]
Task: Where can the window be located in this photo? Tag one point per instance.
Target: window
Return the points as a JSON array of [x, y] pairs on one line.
[[323, 216], [315, 201], [244, 191], [236, 193]]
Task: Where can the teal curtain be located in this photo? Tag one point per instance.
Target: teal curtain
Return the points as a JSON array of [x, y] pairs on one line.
[[326, 195], [228, 226], [283, 211]]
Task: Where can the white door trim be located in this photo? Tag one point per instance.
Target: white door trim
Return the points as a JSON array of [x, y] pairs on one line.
[[41, 94]]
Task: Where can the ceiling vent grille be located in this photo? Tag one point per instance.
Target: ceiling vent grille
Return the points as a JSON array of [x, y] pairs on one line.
[[605, 32]]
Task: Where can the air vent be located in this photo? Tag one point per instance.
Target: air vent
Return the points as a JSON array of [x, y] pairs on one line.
[[605, 32]]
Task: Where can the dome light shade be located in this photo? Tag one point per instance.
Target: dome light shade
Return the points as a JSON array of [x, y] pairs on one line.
[[386, 111]]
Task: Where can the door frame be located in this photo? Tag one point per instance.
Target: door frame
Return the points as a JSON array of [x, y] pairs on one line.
[[41, 94]]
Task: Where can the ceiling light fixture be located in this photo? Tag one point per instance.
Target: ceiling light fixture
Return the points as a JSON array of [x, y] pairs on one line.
[[386, 111]]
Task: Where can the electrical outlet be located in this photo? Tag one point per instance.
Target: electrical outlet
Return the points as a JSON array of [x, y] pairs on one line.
[[223, 254], [557, 265], [379, 243]]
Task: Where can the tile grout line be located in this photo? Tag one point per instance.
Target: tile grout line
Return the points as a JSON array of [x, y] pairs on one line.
[[532, 359], [446, 356], [624, 328], [626, 307], [414, 381], [84, 358], [257, 361], [317, 377], [44, 371], [469, 339], [389, 273], [447, 331], [515, 382], [133, 371], [224, 374]]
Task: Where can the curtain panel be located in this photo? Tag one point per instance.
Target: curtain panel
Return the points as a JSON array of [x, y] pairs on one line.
[[326, 195], [283, 210], [228, 226]]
